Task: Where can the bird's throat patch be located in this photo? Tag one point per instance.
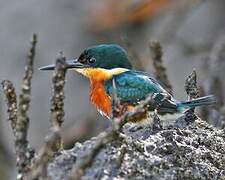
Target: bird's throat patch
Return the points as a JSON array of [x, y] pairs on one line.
[[100, 74]]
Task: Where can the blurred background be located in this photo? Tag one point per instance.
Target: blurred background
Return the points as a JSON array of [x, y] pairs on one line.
[[191, 32]]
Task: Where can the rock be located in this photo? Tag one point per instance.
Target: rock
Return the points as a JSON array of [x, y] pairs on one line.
[[181, 151]]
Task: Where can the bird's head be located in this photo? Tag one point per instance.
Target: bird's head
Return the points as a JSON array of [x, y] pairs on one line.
[[101, 61]]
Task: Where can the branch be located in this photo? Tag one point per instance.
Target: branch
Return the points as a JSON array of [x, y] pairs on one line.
[[5, 156], [18, 115], [160, 70], [156, 125], [11, 99], [115, 102], [191, 87], [53, 139], [45, 155], [192, 91], [23, 152], [57, 104]]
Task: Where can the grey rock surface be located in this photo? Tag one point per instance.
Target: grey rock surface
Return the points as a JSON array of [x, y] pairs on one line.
[[178, 151]]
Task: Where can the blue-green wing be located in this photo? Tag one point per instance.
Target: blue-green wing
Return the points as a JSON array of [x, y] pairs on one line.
[[133, 86]]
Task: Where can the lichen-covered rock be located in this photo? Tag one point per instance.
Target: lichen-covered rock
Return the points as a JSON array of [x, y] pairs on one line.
[[181, 151]]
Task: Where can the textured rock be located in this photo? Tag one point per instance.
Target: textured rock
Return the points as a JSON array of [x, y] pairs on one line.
[[178, 151]]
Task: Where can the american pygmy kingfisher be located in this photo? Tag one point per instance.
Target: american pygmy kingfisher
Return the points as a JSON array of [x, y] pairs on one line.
[[103, 63]]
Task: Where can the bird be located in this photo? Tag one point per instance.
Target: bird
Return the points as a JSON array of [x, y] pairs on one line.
[[108, 64]]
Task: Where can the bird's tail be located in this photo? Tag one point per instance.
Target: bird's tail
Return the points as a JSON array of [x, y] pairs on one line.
[[202, 101]]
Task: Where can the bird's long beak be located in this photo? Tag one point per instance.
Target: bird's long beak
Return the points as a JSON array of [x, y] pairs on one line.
[[74, 63]]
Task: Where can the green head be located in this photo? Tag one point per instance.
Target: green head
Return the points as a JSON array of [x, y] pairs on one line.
[[106, 56]]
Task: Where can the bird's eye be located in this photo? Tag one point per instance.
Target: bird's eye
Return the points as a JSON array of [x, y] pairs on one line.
[[91, 60]]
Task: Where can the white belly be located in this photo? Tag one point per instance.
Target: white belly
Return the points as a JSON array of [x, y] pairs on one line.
[[165, 120]]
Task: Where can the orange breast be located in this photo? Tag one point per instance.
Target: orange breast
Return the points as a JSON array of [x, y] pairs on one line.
[[102, 101], [99, 97]]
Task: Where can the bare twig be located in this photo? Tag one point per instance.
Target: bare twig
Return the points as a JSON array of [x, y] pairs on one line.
[[191, 87], [18, 115], [192, 91], [57, 105], [115, 103], [160, 70], [53, 139], [11, 99], [24, 154], [5, 156], [45, 155], [156, 126]]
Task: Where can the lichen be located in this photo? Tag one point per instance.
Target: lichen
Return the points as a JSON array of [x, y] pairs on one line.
[[193, 151]]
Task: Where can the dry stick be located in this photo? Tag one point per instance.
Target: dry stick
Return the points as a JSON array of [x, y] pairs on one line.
[[53, 139], [107, 136], [23, 150], [11, 99], [57, 104], [18, 117], [160, 70], [191, 87], [45, 155], [192, 91], [156, 125], [115, 103]]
